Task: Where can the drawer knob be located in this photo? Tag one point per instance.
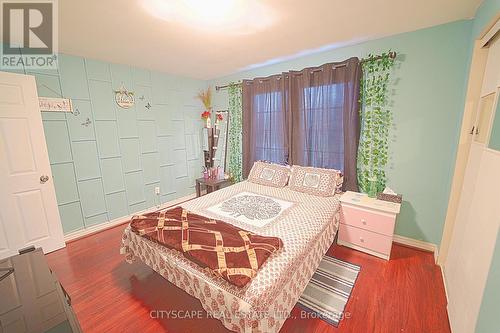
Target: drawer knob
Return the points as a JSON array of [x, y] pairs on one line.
[[361, 239], [363, 221]]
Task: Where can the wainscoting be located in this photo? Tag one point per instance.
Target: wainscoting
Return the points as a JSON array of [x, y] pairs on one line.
[[107, 161]]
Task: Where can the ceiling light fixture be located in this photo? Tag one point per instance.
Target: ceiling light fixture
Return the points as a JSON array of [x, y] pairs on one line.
[[231, 16]]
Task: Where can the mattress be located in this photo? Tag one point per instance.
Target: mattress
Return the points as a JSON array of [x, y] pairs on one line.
[[305, 223]]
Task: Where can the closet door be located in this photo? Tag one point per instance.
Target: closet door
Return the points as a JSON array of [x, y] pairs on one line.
[[478, 215]]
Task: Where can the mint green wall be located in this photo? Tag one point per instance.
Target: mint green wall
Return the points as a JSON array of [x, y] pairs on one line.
[[495, 131], [428, 101], [484, 14], [110, 167]]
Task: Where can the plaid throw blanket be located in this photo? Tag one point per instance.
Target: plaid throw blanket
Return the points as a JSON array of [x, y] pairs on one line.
[[230, 252]]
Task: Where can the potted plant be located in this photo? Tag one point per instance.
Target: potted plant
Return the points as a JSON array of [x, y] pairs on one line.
[[205, 96], [218, 118], [206, 116]]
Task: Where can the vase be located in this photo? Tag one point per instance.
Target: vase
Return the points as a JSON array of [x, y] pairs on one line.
[[372, 188]]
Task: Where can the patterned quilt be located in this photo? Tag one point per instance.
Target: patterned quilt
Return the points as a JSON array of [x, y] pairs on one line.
[[306, 224], [227, 251]]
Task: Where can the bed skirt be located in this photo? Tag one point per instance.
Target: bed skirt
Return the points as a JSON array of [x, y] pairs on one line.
[[221, 302]]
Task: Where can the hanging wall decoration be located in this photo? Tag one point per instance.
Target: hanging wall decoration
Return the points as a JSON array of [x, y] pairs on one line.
[[124, 98], [376, 119], [55, 104], [87, 122]]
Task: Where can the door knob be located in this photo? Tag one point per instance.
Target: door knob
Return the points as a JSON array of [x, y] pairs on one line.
[[43, 179]]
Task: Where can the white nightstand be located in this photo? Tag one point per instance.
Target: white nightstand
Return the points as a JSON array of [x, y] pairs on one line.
[[367, 224]]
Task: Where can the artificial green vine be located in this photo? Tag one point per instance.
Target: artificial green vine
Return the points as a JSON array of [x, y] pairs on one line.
[[376, 119], [234, 162]]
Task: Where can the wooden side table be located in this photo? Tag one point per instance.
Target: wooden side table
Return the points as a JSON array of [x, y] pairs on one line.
[[367, 224], [211, 184]]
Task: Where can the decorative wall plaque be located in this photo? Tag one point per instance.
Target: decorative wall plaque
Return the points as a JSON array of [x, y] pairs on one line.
[[124, 98], [55, 104]]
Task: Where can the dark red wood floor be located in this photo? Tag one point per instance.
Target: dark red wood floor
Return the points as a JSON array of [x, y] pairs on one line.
[[405, 294]]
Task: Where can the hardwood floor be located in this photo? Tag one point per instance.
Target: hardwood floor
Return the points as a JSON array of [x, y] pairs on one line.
[[405, 294]]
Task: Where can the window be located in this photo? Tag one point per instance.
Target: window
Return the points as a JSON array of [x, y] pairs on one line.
[[308, 117], [269, 122], [322, 108]]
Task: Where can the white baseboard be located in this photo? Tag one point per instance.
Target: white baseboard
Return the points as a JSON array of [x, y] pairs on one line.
[[417, 244], [444, 283], [103, 226], [427, 247]]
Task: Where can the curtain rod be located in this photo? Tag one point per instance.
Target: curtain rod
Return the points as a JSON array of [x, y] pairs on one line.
[[392, 55]]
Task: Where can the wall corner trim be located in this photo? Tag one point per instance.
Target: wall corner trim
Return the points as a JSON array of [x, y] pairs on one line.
[[419, 244], [121, 220], [426, 246]]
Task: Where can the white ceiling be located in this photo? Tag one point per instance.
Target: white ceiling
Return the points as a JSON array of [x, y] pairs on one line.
[[123, 31]]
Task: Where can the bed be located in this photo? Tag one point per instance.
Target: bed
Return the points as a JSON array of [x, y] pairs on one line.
[[306, 224]]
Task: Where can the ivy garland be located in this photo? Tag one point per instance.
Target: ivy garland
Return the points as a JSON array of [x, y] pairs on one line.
[[234, 162], [376, 119]]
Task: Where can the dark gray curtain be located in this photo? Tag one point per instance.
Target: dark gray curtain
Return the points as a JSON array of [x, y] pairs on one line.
[[313, 118], [324, 111], [265, 121]]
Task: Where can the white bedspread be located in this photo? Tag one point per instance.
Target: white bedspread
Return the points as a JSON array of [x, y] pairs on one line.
[[307, 226]]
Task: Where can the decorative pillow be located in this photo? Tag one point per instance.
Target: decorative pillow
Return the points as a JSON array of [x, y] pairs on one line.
[[269, 174], [316, 181]]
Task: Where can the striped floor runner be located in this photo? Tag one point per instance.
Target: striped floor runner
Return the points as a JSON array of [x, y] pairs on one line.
[[328, 291]]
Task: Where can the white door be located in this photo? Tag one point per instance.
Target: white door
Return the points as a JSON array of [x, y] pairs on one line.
[[28, 206], [478, 215]]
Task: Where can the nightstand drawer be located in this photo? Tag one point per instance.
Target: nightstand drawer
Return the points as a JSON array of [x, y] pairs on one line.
[[378, 222], [365, 239]]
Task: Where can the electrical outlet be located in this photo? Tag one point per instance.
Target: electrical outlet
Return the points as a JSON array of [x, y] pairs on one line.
[[157, 190]]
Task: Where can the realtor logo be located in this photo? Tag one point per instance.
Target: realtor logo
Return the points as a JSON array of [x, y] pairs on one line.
[[29, 34]]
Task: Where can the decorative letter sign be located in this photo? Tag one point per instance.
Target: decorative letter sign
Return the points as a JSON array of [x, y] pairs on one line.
[[55, 104]]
